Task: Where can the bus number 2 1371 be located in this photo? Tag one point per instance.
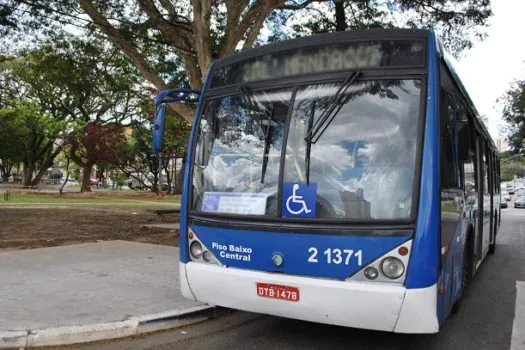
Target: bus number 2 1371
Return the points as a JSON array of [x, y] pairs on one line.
[[336, 256]]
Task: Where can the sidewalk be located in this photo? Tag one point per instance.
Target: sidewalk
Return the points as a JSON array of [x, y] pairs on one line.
[[87, 292]]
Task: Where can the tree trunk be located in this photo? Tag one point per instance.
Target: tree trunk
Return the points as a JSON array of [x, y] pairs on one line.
[[179, 175], [340, 16], [28, 174], [48, 162], [67, 178], [155, 182], [86, 176], [169, 174], [100, 175]]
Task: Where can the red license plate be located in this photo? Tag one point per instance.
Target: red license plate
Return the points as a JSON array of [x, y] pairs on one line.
[[277, 291]]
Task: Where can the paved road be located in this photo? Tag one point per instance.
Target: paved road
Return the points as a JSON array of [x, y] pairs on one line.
[[485, 320]]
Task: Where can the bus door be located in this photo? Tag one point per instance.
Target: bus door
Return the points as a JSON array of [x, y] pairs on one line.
[[452, 199], [487, 200], [495, 197], [483, 217]]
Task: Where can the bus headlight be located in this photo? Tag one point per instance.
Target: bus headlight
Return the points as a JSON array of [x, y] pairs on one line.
[[392, 268], [196, 249], [371, 273]]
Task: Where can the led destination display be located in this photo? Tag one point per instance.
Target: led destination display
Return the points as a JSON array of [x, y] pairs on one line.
[[322, 59]]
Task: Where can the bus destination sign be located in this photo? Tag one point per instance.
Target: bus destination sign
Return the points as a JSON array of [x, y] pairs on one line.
[[322, 59]]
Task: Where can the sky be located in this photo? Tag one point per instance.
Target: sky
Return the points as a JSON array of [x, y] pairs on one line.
[[488, 69]]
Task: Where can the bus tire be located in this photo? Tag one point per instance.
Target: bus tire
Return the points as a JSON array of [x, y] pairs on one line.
[[492, 246], [467, 272]]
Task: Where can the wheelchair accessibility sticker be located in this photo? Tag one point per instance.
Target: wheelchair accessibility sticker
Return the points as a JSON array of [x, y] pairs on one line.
[[299, 200]]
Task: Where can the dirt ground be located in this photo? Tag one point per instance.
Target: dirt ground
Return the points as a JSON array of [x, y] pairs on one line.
[[35, 228]]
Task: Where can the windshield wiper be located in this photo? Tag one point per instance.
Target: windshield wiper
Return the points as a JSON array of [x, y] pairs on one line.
[[309, 144], [328, 115], [245, 95], [325, 119], [266, 153]]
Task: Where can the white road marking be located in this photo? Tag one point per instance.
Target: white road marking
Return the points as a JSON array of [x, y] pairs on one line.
[[518, 328]]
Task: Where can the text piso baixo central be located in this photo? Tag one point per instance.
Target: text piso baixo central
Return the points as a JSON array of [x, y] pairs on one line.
[[234, 252]]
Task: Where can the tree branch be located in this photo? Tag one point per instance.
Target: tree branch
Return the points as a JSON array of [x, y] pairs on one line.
[[181, 39], [299, 6], [168, 6], [201, 24], [232, 35], [116, 37]]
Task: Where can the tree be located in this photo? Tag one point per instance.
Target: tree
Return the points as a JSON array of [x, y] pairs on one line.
[[198, 31], [175, 142], [513, 168], [22, 95], [514, 114], [74, 80], [457, 22], [96, 143], [28, 135], [11, 142], [141, 165]]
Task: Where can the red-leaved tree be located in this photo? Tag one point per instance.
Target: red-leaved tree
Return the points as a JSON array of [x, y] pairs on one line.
[[98, 144]]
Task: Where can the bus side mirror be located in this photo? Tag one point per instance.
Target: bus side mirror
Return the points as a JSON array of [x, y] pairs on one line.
[[164, 97], [158, 129]]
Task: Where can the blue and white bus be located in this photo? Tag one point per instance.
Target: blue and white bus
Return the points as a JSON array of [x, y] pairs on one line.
[[342, 178]]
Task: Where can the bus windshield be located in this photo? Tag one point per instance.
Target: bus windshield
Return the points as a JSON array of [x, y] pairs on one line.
[[363, 164]]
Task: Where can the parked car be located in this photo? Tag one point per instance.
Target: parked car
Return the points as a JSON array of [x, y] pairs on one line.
[[510, 189], [504, 198], [519, 202]]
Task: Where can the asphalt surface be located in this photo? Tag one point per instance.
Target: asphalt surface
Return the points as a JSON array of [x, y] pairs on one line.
[[485, 320]]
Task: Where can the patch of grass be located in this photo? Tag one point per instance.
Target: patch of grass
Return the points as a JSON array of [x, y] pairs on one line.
[[93, 200]]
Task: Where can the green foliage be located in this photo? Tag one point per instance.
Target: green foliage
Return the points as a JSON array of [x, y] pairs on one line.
[[76, 82], [512, 166], [120, 179], [75, 174], [176, 137], [11, 141], [457, 22], [142, 165], [514, 115], [26, 133], [512, 169]]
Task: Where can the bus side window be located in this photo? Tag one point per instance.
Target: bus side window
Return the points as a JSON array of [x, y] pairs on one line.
[[470, 167], [485, 168], [449, 168]]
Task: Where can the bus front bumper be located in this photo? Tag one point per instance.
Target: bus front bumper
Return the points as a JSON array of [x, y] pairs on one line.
[[385, 307]]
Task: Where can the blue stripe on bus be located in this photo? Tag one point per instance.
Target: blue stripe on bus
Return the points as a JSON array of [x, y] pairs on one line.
[[424, 261], [186, 181], [314, 255]]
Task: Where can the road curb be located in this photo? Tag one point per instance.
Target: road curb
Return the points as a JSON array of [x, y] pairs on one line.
[[57, 336]]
